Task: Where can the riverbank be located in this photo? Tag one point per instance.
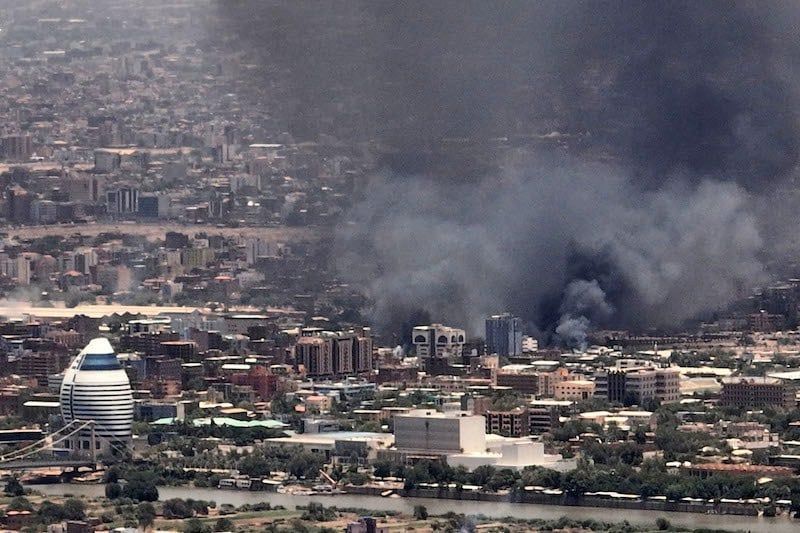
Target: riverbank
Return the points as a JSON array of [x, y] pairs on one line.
[[539, 498], [493, 509]]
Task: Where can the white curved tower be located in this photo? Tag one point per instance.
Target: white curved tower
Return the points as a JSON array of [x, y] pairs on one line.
[[95, 387]]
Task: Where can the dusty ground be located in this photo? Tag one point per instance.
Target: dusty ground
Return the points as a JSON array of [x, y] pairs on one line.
[[155, 231]]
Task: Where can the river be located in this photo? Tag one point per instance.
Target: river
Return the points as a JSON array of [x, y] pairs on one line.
[[437, 506]]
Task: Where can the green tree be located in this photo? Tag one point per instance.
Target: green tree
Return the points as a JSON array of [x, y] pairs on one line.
[[74, 509], [482, 475], [580, 480], [662, 523], [145, 515], [224, 524], [317, 512], [543, 477], [501, 479], [194, 525], [50, 513], [382, 468], [20, 503], [113, 490], [255, 465], [305, 465], [14, 487], [177, 508], [420, 512], [640, 435], [141, 486]]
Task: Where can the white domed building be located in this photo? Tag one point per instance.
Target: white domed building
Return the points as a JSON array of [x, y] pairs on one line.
[[96, 388]]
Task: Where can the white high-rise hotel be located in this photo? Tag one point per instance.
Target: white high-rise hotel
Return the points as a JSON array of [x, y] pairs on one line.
[[438, 341], [95, 387]]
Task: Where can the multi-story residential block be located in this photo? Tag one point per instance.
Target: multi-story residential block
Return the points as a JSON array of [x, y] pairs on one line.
[[548, 381], [324, 353], [522, 381], [574, 390], [757, 392], [638, 384], [315, 354], [513, 423], [543, 415], [16, 147]]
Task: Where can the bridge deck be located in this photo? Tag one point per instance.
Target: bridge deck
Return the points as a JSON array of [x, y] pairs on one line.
[[30, 465]]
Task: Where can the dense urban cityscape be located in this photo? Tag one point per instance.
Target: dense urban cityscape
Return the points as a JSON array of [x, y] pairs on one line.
[[252, 280]]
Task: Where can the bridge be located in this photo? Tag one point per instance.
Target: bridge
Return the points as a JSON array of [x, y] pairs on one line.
[[46, 452]]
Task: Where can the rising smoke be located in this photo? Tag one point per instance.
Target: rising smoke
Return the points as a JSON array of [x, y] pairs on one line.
[[658, 128]]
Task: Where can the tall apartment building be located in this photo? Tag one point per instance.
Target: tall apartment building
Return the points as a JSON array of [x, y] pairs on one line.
[[343, 355], [638, 384], [438, 341], [325, 353], [18, 204], [504, 335], [363, 354], [513, 423], [756, 392], [316, 355], [122, 200], [543, 415], [256, 248], [16, 147]]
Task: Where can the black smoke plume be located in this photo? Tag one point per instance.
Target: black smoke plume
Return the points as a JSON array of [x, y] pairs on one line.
[[577, 163]]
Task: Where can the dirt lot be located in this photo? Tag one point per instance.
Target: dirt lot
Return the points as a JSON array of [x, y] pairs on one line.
[[157, 231]]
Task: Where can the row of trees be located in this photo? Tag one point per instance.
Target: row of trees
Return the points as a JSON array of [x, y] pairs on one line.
[[650, 479], [49, 512], [198, 454]]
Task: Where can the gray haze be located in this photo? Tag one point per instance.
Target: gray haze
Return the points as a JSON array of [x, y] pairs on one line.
[[662, 256], [658, 128]]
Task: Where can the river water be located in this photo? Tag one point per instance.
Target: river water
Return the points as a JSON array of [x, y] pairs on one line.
[[437, 506]]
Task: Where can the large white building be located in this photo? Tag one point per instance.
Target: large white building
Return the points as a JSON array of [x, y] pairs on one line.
[[431, 432], [438, 341], [96, 388], [461, 440]]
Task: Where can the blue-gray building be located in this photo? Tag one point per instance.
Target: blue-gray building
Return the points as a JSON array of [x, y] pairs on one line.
[[504, 335]]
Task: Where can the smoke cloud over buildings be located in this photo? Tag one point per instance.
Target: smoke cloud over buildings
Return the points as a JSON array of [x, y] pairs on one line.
[[576, 163]]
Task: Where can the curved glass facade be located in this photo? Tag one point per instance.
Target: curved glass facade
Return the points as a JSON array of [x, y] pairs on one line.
[[96, 388]]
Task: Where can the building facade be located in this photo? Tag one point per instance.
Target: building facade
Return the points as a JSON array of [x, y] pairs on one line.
[[574, 390], [638, 384], [431, 432], [756, 392], [96, 388], [513, 423], [504, 335], [438, 341]]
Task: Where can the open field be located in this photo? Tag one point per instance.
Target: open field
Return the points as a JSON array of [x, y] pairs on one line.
[[156, 231]]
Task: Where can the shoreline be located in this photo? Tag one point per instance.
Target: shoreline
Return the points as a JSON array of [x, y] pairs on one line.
[[498, 508], [533, 498]]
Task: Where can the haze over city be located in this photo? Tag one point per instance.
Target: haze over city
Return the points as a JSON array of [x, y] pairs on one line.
[[375, 266]]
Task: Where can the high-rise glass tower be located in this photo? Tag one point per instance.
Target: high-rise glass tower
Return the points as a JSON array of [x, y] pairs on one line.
[[96, 388], [504, 335]]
